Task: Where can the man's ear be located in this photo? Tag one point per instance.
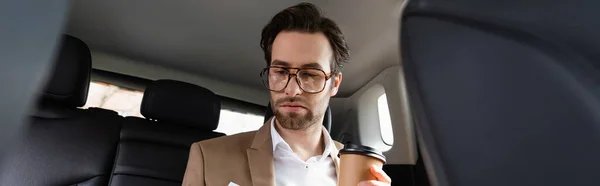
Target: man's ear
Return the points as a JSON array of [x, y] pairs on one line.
[[337, 80]]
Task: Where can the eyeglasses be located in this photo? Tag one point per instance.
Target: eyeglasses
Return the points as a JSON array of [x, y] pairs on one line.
[[309, 80]]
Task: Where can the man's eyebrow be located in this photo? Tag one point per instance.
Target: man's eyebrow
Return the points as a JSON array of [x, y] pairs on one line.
[[312, 65], [280, 63], [286, 64]]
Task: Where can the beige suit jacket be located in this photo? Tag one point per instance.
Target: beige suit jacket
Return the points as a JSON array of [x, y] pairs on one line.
[[244, 159]]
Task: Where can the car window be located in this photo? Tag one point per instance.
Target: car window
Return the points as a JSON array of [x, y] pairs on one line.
[[127, 102], [124, 101], [385, 121], [232, 122]]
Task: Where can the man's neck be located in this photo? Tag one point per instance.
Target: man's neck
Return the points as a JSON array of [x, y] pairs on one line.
[[305, 143]]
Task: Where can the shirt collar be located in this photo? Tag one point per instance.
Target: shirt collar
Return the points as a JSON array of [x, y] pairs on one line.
[[277, 139]]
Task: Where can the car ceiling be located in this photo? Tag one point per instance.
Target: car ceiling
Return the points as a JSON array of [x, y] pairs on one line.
[[220, 39]]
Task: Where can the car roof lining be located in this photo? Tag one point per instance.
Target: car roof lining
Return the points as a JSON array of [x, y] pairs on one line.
[[220, 39]]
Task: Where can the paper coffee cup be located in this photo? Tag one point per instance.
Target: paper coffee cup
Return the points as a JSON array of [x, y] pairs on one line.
[[355, 162]]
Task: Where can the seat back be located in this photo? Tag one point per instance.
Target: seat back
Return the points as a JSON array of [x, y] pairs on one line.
[[505, 92], [154, 151], [326, 118], [64, 145]]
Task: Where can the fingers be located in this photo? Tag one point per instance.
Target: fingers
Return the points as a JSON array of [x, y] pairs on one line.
[[372, 183], [380, 175], [382, 178]]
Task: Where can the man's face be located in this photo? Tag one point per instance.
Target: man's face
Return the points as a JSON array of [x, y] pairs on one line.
[[294, 108]]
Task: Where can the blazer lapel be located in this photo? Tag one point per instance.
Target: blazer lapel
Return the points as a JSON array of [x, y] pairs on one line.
[[336, 160], [260, 157]]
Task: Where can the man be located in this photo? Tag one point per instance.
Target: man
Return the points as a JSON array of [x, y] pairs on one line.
[[304, 53]]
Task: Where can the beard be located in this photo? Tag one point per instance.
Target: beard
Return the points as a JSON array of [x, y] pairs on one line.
[[294, 120]]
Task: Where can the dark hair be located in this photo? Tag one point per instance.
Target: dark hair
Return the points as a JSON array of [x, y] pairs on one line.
[[306, 17]]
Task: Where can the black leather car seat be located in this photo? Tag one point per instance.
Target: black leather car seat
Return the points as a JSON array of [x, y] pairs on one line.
[[154, 151], [505, 92], [64, 145]]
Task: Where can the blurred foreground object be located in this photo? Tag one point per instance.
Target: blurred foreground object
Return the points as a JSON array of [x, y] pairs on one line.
[[29, 32]]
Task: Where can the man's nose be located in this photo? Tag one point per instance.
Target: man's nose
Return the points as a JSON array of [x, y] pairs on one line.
[[293, 88]]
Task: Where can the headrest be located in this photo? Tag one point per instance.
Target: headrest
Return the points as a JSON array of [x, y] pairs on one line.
[[181, 103], [70, 79]]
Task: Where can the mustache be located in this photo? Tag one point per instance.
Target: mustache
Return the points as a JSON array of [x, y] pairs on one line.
[[291, 99]]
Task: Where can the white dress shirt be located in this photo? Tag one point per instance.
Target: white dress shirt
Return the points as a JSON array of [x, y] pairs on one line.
[[290, 170]]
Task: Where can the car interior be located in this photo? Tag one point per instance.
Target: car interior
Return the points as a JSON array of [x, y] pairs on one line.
[[463, 92]]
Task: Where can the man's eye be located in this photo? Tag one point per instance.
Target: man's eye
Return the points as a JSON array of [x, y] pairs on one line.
[[309, 74], [282, 72], [312, 75]]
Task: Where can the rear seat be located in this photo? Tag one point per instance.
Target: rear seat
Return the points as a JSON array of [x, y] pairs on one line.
[[64, 145], [154, 151]]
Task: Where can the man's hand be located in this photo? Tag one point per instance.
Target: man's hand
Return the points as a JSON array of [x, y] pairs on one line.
[[382, 178]]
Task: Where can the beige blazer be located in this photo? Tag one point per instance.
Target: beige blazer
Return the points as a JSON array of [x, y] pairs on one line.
[[244, 159]]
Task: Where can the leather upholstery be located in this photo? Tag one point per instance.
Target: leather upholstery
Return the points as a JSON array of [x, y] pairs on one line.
[[156, 152], [64, 145], [176, 102], [76, 149], [70, 79], [326, 119], [505, 92]]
